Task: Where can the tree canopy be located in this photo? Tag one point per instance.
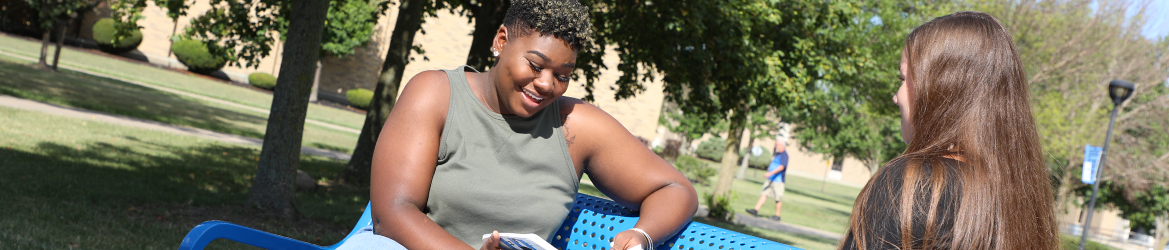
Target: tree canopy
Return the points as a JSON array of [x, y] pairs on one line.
[[247, 29], [718, 57]]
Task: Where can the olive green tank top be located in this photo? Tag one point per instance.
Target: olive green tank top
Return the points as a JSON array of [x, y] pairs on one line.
[[499, 172]]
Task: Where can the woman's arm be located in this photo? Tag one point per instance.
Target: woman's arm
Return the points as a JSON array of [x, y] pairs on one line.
[[404, 162], [625, 170]]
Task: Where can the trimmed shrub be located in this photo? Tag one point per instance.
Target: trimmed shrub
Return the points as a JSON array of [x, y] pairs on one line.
[[712, 149], [262, 80], [199, 57], [103, 34], [359, 97], [695, 170]]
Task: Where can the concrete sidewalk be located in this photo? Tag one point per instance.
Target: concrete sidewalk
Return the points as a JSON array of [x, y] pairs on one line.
[[18, 103], [180, 92]]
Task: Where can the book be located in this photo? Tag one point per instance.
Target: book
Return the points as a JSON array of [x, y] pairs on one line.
[[514, 241]]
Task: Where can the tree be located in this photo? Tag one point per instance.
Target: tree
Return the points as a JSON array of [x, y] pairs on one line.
[[690, 126], [488, 16], [350, 24], [852, 115], [244, 29], [760, 124], [174, 10], [53, 15], [409, 22], [280, 156], [721, 55], [1070, 51]]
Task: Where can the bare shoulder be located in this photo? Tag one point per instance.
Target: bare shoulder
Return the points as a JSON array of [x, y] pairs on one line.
[[577, 112], [427, 82], [427, 92], [589, 125]]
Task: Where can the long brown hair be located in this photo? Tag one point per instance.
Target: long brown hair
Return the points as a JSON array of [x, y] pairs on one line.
[[969, 100]]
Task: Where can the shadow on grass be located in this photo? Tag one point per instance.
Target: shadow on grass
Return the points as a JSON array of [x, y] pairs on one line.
[[105, 196], [329, 147], [110, 96]]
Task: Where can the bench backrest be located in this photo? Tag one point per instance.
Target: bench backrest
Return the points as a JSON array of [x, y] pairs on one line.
[[593, 222]]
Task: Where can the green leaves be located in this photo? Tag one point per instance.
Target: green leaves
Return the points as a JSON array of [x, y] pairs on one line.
[[350, 24], [174, 8], [244, 28], [247, 28]]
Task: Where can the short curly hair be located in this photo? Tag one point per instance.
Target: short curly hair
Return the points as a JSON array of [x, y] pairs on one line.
[[567, 20]]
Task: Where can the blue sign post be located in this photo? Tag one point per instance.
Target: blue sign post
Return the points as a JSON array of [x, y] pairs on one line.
[[1091, 164]]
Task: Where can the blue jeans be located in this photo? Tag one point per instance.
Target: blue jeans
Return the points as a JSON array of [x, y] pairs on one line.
[[366, 239]]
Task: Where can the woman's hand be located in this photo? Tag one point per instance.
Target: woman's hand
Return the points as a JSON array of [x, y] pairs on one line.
[[492, 243], [629, 240]]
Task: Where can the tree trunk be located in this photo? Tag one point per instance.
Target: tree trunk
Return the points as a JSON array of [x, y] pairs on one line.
[[1064, 192], [60, 41], [316, 83], [488, 17], [746, 160], [726, 173], [170, 51], [1161, 225], [43, 63], [272, 188], [409, 21]]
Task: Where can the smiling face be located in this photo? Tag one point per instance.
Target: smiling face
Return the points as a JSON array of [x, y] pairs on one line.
[[532, 72], [901, 98]]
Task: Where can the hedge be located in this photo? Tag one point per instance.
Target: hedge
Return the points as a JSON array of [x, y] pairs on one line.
[[262, 80], [695, 170], [198, 56], [712, 149], [103, 34], [359, 97]]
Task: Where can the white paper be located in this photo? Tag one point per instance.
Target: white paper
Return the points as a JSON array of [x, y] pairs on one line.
[[513, 241]]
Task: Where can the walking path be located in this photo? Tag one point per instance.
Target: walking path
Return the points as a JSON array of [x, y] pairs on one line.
[[25, 104], [180, 92]]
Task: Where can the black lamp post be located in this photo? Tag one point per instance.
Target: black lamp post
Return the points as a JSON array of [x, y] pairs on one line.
[[1118, 90]]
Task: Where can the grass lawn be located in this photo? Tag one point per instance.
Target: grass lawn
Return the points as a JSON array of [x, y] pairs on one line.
[[806, 202], [72, 183], [166, 78], [111, 96]]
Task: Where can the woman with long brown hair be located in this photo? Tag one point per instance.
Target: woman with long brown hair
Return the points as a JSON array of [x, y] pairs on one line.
[[973, 175]]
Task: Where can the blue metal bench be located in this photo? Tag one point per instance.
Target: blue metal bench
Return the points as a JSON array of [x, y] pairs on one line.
[[591, 225]]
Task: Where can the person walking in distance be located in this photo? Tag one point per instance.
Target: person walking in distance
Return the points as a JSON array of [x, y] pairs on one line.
[[773, 186]]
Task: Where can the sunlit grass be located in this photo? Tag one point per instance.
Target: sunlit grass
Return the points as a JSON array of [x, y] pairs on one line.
[[156, 76], [75, 183], [110, 96]]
